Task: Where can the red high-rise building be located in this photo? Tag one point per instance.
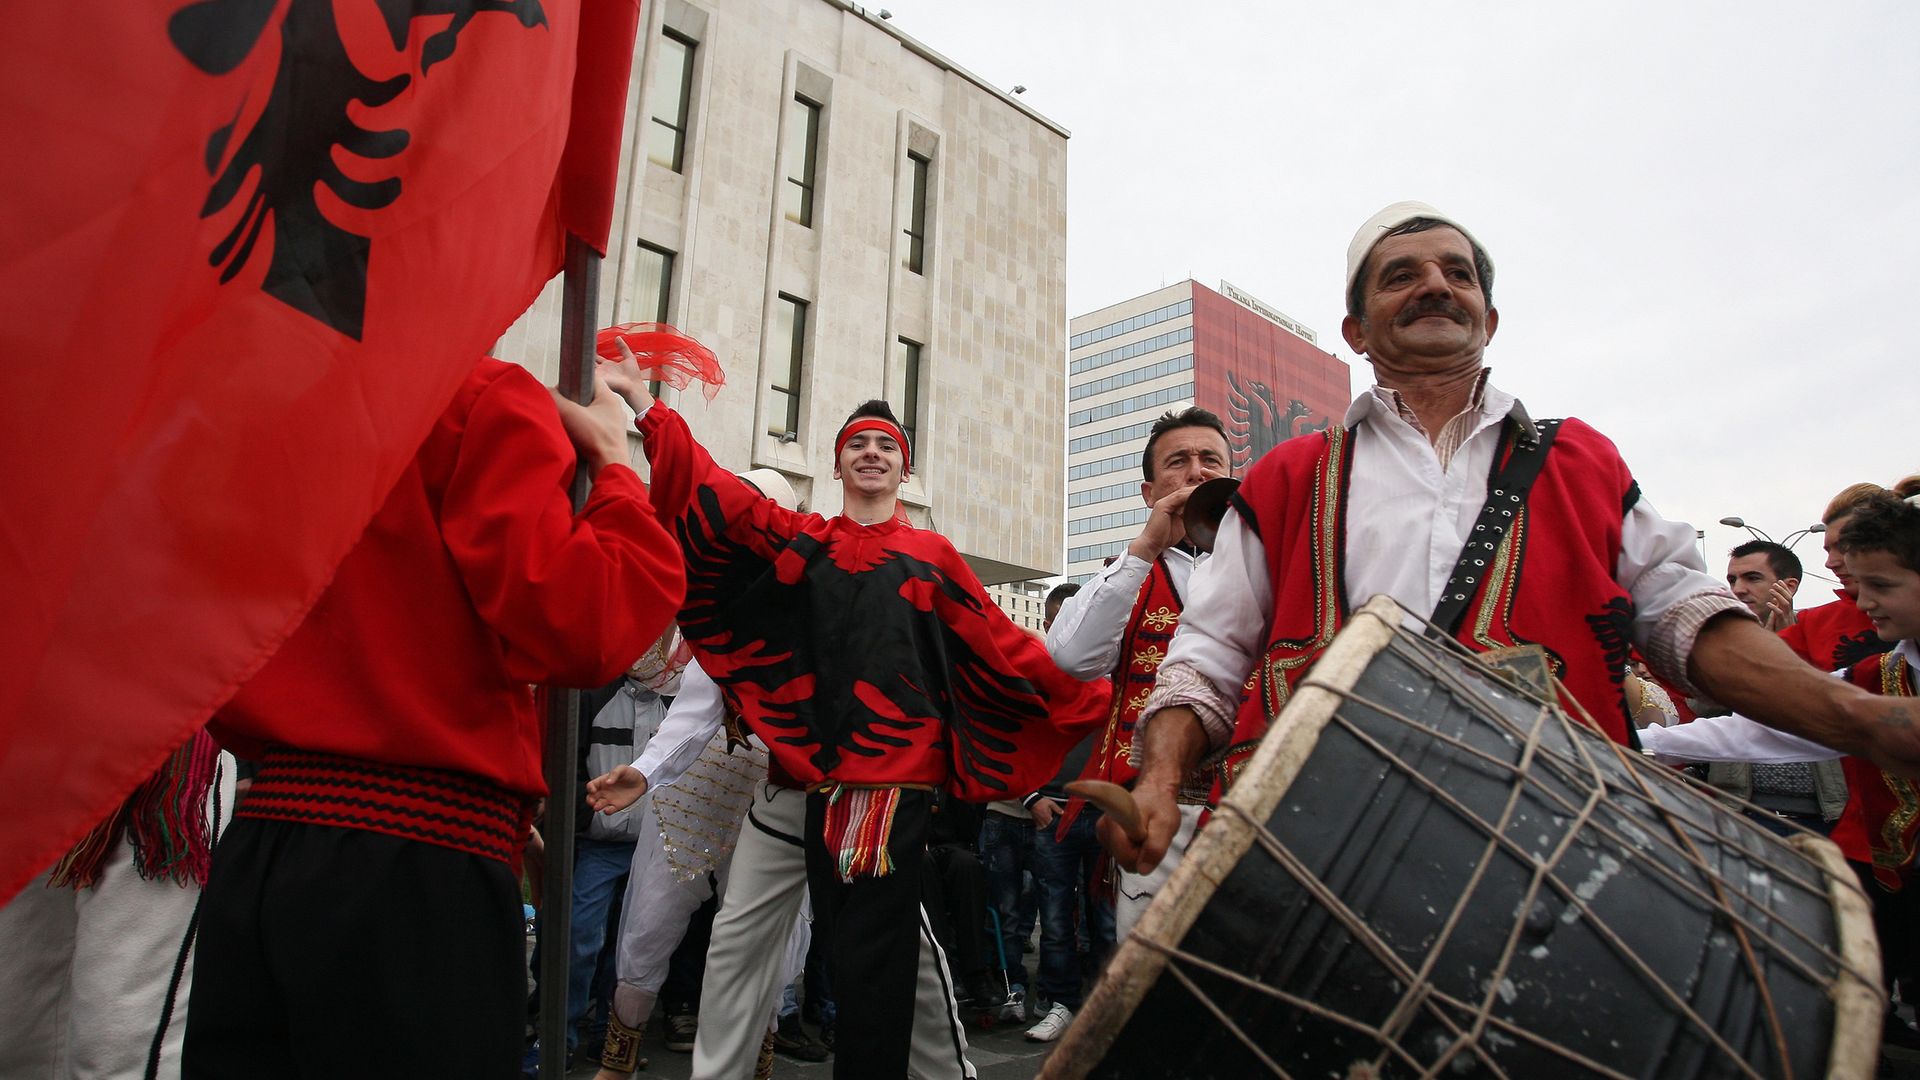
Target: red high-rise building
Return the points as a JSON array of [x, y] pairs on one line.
[[1181, 345]]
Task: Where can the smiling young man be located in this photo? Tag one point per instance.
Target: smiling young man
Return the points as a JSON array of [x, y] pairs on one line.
[[1836, 635], [1407, 497], [868, 657]]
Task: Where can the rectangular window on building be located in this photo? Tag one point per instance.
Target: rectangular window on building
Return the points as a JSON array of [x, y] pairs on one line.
[[653, 274], [904, 394], [789, 347], [802, 152], [671, 97], [917, 214]]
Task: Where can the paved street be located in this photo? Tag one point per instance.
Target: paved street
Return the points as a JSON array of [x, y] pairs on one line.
[[999, 1053]]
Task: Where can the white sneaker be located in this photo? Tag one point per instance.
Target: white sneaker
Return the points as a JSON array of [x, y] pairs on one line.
[[1051, 1025]]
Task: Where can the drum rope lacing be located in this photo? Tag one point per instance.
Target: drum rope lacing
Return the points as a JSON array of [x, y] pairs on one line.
[[1542, 868]]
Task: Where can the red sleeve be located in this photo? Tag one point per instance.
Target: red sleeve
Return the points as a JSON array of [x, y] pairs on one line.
[[575, 597], [682, 467], [1796, 638], [1072, 708]]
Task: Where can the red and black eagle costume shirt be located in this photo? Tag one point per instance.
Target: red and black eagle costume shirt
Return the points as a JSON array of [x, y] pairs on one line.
[[861, 654]]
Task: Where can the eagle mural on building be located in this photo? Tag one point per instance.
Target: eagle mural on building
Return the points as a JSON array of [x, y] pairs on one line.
[[1256, 423]]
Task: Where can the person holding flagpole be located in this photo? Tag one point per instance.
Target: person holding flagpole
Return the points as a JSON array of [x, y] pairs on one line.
[[362, 917]]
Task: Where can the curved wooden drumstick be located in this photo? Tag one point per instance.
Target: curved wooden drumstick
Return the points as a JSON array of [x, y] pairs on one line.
[[1115, 801]]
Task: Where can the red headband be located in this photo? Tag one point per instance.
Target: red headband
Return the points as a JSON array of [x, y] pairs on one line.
[[876, 423]]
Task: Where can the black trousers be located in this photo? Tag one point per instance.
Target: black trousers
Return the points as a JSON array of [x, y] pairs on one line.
[[1896, 920], [873, 926], [328, 952], [954, 890]]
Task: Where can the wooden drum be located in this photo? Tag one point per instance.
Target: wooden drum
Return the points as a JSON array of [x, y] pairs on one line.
[[1429, 871]]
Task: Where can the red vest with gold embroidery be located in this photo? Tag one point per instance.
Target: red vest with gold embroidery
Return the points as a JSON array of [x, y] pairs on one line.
[[1551, 580], [1156, 615], [1882, 817]]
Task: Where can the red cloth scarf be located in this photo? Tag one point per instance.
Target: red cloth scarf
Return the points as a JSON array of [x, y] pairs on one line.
[[1551, 581], [1881, 824]]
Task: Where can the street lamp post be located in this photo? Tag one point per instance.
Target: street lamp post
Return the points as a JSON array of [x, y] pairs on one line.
[[1793, 537]]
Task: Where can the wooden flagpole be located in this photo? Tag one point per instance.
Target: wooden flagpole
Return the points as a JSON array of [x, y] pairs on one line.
[[579, 308]]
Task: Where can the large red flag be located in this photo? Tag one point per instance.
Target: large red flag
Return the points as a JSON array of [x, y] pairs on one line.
[[248, 248]]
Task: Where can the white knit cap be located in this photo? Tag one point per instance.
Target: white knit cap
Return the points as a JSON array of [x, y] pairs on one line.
[[1385, 221], [773, 484]]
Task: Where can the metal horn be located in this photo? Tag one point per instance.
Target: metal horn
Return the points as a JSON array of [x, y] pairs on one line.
[[1204, 509]]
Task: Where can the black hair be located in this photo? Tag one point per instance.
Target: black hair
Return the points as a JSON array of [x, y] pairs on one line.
[[1194, 416], [1782, 560], [1482, 264], [873, 407], [879, 408], [1061, 592], [1884, 522]]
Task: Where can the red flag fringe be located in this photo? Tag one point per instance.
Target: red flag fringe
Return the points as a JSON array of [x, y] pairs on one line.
[[166, 820]]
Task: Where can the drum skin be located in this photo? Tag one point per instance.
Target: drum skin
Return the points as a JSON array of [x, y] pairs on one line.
[[1455, 876]]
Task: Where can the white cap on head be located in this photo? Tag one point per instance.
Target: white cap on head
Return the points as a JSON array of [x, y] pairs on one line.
[[1380, 224], [773, 484]]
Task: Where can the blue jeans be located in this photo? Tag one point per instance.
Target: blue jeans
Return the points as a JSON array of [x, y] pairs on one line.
[[1006, 853], [1065, 869], [599, 877]]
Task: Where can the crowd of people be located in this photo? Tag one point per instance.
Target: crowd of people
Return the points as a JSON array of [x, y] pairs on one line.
[[827, 805]]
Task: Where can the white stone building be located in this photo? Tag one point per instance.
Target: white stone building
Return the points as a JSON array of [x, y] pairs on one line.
[[1025, 602], [842, 213]]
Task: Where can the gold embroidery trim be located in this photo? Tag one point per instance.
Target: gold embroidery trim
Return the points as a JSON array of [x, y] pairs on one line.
[[1323, 528], [1893, 683], [1497, 599]]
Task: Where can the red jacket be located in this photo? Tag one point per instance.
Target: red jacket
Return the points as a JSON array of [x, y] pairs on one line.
[[1833, 636], [474, 580], [861, 654]]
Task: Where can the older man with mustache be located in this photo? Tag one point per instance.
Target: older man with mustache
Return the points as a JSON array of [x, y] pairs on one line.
[[1440, 490]]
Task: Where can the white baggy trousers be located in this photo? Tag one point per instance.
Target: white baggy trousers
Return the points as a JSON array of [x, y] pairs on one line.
[[84, 973]]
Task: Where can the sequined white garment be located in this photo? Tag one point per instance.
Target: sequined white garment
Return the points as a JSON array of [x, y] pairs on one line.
[[700, 813]]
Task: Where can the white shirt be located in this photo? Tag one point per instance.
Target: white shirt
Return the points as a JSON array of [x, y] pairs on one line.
[[1732, 737], [689, 725], [1085, 637], [1406, 522]]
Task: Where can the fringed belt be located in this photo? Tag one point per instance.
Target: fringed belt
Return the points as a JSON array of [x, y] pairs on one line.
[[435, 806], [859, 826]]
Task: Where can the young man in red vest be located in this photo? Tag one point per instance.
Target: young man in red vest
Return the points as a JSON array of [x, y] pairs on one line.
[[363, 914], [1401, 499]]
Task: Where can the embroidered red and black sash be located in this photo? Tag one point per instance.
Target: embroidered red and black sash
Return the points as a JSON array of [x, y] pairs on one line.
[[434, 806]]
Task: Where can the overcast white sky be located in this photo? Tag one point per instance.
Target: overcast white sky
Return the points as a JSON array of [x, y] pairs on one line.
[[1705, 217]]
